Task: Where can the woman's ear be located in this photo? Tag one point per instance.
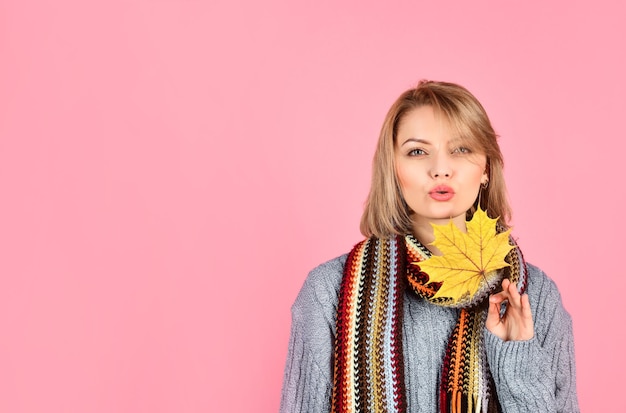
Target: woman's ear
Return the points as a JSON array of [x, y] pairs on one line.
[[485, 177]]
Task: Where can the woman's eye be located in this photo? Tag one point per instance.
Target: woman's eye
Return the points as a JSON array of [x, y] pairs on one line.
[[417, 152], [461, 150]]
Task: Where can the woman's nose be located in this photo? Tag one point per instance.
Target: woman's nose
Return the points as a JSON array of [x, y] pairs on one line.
[[441, 167], [441, 175]]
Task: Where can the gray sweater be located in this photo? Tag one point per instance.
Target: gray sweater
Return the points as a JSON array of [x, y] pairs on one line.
[[537, 375]]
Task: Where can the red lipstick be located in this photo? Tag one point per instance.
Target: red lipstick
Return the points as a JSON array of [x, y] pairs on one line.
[[441, 193]]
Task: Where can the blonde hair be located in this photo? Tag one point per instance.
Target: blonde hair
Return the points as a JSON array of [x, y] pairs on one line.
[[386, 213]]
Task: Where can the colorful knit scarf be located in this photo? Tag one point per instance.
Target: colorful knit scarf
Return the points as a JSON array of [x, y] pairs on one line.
[[368, 362]]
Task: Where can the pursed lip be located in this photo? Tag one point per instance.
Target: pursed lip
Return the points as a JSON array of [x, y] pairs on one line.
[[441, 189], [441, 193]]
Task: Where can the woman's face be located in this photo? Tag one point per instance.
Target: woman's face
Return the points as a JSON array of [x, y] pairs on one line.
[[439, 176]]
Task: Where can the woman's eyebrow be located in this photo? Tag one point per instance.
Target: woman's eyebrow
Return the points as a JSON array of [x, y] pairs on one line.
[[415, 140]]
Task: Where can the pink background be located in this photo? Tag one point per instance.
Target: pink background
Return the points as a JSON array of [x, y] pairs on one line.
[[170, 170]]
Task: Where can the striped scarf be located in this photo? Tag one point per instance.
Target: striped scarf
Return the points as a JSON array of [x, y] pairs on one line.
[[368, 358]]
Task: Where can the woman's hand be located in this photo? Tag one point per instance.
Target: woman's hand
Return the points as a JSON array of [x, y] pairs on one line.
[[517, 321]]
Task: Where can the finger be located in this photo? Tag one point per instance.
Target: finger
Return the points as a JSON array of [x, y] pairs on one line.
[[526, 311], [499, 298], [512, 289], [518, 302], [505, 284], [503, 295], [493, 316]]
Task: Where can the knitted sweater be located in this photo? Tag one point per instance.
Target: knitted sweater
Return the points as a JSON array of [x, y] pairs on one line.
[[537, 375]]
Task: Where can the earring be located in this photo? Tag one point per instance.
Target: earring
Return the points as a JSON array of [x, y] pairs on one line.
[[485, 184]]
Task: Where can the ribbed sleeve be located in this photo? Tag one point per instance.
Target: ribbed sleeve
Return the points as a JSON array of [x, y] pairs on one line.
[[306, 387], [537, 375], [307, 383]]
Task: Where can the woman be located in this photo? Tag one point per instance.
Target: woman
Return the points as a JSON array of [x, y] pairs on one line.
[[370, 332]]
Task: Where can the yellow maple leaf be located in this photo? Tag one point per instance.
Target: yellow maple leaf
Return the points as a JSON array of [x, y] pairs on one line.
[[470, 260]]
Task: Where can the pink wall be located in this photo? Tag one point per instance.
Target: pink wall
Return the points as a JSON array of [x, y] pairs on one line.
[[171, 169]]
